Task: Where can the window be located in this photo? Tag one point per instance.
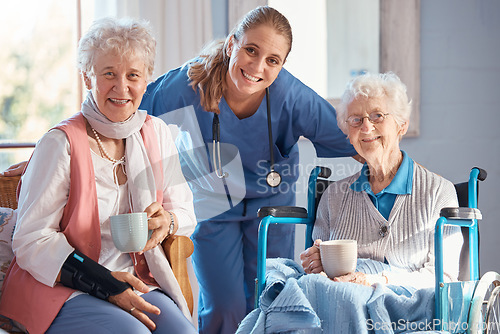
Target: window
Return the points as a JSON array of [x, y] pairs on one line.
[[40, 82], [358, 35], [334, 40]]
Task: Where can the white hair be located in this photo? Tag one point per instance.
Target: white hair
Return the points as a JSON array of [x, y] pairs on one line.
[[371, 85], [123, 36]]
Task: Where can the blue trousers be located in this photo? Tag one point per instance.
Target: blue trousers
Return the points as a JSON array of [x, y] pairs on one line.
[[86, 314], [225, 263]]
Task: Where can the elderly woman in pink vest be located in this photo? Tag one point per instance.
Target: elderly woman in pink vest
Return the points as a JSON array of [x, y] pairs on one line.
[[108, 159]]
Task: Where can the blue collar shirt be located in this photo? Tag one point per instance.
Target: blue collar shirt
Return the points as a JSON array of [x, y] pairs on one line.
[[401, 184]]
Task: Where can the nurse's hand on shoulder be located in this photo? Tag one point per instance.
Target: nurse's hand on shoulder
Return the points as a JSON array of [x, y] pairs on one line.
[[311, 259], [359, 159], [129, 301], [15, 170]]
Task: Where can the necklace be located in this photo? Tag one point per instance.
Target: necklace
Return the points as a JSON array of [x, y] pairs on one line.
[[103, 150]]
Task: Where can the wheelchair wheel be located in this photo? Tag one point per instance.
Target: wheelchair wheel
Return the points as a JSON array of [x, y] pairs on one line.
[[493, 312], [484, 314]]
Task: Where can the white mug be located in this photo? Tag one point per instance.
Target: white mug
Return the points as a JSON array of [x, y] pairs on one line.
[[338, 257], [129, 231]]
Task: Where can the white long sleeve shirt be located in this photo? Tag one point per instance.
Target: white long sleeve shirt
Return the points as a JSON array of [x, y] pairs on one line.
[[39, 246]]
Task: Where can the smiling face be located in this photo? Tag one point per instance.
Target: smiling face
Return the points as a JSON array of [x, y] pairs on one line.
[[118, 85], [255, 60], [377, 143]]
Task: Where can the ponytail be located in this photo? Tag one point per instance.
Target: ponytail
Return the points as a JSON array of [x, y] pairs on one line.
[[208, 75]]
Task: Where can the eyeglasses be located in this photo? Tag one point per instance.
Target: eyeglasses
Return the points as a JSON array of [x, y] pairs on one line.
[[374, 117]]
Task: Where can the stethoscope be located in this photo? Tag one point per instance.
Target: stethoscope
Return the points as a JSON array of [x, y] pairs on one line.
[[273, 178]]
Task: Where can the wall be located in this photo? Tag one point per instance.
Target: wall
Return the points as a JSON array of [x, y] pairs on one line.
[[460, 49]]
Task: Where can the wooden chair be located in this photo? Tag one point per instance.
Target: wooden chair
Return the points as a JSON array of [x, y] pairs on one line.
[[177, 248], [8, 188]]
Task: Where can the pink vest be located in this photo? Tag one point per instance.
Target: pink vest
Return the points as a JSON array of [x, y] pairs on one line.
[[36, 305]]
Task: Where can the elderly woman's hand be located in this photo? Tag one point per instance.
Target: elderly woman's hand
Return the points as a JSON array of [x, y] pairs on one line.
[[159, 223], [354, 277], [129, 301], [362, 278], [311, 259]]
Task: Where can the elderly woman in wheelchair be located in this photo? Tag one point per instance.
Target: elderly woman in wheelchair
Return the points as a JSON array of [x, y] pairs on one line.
[[391, 206]]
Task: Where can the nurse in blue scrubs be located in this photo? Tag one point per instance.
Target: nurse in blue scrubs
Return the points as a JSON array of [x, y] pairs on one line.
[[239, 115]]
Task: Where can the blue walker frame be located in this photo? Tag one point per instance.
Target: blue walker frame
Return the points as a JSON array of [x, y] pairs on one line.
[[305, 217]]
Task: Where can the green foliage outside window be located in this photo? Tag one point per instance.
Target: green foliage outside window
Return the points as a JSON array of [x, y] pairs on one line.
[[39, 80]]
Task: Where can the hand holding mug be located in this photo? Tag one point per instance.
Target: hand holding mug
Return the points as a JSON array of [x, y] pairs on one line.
[[159, 222], [311, 259]]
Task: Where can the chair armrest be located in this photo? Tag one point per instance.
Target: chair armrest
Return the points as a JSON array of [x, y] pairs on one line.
[[8, 189], [460, 213], [282, 211], [178, 249]]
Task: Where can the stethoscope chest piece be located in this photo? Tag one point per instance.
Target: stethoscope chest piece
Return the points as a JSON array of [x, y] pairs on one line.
[[273, 178]]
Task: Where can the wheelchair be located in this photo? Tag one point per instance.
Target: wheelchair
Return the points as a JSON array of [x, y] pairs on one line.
[[468, 306]]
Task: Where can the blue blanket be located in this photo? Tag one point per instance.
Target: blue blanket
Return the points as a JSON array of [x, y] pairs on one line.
[[294, 302]]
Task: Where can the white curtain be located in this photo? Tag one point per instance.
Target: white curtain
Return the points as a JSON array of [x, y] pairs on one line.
[[238, 8], [181, 27]]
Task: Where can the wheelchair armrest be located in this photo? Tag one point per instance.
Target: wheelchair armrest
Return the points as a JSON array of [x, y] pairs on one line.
[[325, 172], [461, 213], [282, 211]]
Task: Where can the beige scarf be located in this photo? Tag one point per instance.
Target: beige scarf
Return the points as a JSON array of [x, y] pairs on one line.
[[140, 177]]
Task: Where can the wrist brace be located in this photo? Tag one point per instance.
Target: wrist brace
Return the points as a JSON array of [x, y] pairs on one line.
[[82, 273]]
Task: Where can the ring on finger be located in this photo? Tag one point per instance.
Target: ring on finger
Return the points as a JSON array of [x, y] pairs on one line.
[[132, 309]]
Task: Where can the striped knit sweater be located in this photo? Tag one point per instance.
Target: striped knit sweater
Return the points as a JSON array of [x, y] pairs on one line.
[[409, 244]]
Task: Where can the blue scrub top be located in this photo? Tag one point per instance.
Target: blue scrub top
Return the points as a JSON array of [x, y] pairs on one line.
[[296, 111], [401, 184]]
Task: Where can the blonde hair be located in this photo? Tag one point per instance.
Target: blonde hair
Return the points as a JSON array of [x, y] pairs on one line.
[[125, 37], [371, 85], [208, 74]]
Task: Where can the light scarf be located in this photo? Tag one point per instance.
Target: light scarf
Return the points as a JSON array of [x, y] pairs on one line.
[[141, 186], [141, 183]]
